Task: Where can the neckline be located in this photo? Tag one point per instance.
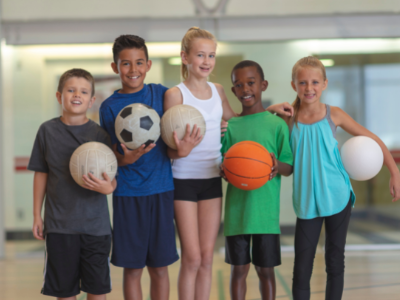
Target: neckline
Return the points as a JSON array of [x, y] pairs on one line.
[[326, 114], [138, 93], [212, 94]]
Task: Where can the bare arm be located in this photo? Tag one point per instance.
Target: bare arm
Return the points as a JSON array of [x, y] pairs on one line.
[[280, 168], [39, 191], [173, 97], [130, 156], [227, 109], [282, 109], [342, 119]]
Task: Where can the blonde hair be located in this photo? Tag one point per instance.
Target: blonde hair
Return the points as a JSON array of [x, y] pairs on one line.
[[192, 34], [305, 62]]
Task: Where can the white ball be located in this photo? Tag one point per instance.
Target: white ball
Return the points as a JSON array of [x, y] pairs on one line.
[[176, 118], [95, 158], [137, 124], [362, 157]]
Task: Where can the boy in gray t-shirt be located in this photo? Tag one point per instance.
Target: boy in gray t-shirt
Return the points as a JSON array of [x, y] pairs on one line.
[[76, 224]]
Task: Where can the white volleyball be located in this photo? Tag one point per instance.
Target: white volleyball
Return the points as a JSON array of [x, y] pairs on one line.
[[95, 158], [137, 124], [176, 118], [362, 157]]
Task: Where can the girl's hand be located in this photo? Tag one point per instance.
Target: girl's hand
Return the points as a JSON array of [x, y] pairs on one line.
[[37, 228], [222, 172], [275, 167], [394, 186], [224, 127], [283, 109], [98, 185], [189, 141]]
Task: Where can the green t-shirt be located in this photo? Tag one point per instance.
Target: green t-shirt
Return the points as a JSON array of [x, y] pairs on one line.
[[256, 211]]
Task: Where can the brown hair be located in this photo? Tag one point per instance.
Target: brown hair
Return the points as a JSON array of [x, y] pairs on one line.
[[191, 34], [128, 41], [305, 62], [80, 73]]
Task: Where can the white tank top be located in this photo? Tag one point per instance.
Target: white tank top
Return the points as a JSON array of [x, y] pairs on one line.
[[204, 159]]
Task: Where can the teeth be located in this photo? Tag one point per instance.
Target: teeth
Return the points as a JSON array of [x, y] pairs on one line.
[[134, 77], [247, 97], [76, 102]]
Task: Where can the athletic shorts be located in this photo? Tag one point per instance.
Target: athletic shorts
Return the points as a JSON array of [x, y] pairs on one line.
[[76, 262], [197, 189], [265, 252], [144, 232]]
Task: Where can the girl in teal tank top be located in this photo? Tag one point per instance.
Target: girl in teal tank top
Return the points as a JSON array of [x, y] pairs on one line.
[[322, 191]]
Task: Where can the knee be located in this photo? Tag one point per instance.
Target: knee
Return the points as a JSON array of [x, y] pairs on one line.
[[239, 272], [158, 272], [133, 273], [265, 273], [192, 262], [207, 260]]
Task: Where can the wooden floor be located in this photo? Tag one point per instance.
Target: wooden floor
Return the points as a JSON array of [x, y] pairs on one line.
[[369, 276]]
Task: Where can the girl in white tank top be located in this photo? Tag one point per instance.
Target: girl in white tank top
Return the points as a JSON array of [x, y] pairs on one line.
[[196, 163]]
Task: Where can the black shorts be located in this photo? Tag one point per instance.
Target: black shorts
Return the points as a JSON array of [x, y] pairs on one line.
[[76, 262], [197, 189], [266, 250]]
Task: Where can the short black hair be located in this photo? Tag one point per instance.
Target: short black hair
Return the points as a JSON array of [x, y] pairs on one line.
[[128, 41], [248, 63]]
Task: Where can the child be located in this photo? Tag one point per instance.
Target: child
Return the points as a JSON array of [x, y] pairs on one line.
[[198, 191], [254, 215], [144, 233], [76, 220], [321, 187]]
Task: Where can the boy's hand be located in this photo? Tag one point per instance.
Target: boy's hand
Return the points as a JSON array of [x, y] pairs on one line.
[[131, 156], [98, 185], [275, 167], [283, 109], [189, 141], [222, 172], [224, 127], [37, 228]]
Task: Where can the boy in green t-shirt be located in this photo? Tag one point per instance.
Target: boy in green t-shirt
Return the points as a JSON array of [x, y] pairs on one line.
[[255, 214]]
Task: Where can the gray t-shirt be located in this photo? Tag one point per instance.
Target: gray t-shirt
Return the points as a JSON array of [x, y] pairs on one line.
[[69, 208]]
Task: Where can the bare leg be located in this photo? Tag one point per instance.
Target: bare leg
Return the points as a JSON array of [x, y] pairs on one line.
[[96, 297], [238, 285], [159, 283], [267, 283], [209, 218], [132, 288], [187, 225], [69, 298]]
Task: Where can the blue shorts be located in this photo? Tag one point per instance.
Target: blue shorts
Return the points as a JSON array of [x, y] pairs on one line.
[[144, 232]]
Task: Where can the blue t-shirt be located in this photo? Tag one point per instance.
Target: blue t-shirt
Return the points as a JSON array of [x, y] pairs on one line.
[[151, 173]]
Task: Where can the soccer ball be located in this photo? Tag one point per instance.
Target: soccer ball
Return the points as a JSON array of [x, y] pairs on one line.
[[137, 124]]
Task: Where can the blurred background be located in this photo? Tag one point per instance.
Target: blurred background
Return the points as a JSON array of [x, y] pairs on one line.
[[358, 41]]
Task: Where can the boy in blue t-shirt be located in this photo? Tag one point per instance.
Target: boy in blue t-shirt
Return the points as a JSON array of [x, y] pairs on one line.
[[144, 233]]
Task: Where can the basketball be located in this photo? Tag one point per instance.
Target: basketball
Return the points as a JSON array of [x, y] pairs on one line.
[[95, 158], [247, 165], [362, 157], [137, 124], [176, 118]]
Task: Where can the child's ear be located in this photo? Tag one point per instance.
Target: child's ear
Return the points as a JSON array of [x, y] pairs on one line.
[[149, 63], [264, 85], [114, 67], [326, 84], [184, 57], [293, 86], [233, 90], [92, 101], [59, 97]]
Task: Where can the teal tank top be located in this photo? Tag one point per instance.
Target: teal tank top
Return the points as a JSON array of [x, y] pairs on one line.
[[321, 185]]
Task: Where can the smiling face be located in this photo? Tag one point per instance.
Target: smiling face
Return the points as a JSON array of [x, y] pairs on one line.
[[248, 86], [76, 97], [132, 67], [200, 60], [309, 84]]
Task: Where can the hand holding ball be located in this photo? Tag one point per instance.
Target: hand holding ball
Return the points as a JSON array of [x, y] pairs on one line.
[[95, 158], [247, 165], [176, 118], [362, 157]]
